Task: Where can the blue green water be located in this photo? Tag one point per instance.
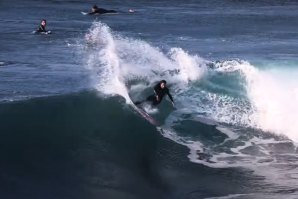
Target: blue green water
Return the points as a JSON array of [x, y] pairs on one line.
[[68, 130]]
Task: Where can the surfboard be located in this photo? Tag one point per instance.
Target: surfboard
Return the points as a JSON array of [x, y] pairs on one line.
[[109, 13], [145, 115], [96, 14], [42, 33]]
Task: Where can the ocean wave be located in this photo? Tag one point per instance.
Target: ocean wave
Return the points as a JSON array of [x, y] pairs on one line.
[[227, 94]]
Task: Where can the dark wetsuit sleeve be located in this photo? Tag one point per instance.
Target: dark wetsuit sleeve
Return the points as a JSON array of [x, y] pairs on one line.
[[41, 29], [156, 89], [170, 96]]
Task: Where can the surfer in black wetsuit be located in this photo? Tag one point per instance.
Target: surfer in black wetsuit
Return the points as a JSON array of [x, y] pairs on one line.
[[160, 91], [42, 27], [97, 10]]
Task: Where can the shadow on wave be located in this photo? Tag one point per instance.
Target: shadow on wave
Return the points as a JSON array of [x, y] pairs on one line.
[[81, 146]]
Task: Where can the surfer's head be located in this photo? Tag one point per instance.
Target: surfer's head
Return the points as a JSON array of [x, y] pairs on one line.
[[163, 83], [43, 22], [94, 8]]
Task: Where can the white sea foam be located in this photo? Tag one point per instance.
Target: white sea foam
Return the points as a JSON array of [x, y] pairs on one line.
[[274, 96]]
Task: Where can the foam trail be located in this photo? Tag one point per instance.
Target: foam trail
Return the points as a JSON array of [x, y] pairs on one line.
[[106, 62]]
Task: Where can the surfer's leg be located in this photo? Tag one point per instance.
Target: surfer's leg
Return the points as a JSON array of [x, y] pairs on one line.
[[155, 102], [139, 102], [112, 11], [149, 98], [153, 99]]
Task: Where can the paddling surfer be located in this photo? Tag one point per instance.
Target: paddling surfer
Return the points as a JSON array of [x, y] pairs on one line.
[[42, 27], [97, 10]]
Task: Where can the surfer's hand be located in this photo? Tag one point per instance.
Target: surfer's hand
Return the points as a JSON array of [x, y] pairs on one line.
[[173, 104], [157, 98]]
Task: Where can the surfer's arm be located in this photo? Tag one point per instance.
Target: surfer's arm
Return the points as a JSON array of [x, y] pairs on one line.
[[156, 88], [171, 98], [41, 29], [157, 92]]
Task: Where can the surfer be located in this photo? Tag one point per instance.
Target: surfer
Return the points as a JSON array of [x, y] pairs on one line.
[[42, 27], [160, 90], [97, 10]]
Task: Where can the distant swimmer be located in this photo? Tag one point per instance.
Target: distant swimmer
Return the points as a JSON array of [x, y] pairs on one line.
[[160, 90], [42, 27], [97, 10]]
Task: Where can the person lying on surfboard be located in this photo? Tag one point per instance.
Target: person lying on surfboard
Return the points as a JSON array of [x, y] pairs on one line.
[[160, 90], [97, 10], [42, 27]]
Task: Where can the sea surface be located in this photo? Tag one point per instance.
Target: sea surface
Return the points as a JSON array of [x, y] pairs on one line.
[[68, 129]]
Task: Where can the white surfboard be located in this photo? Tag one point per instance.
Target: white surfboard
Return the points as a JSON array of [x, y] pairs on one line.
[[42, 33], [84, 13]]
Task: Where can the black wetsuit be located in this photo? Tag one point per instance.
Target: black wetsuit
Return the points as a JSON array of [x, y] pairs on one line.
[[102, 11], [41, 29], [158, 92]]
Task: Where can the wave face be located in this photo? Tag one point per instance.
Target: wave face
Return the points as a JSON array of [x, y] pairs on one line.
[[80, 146], [102, 148]]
